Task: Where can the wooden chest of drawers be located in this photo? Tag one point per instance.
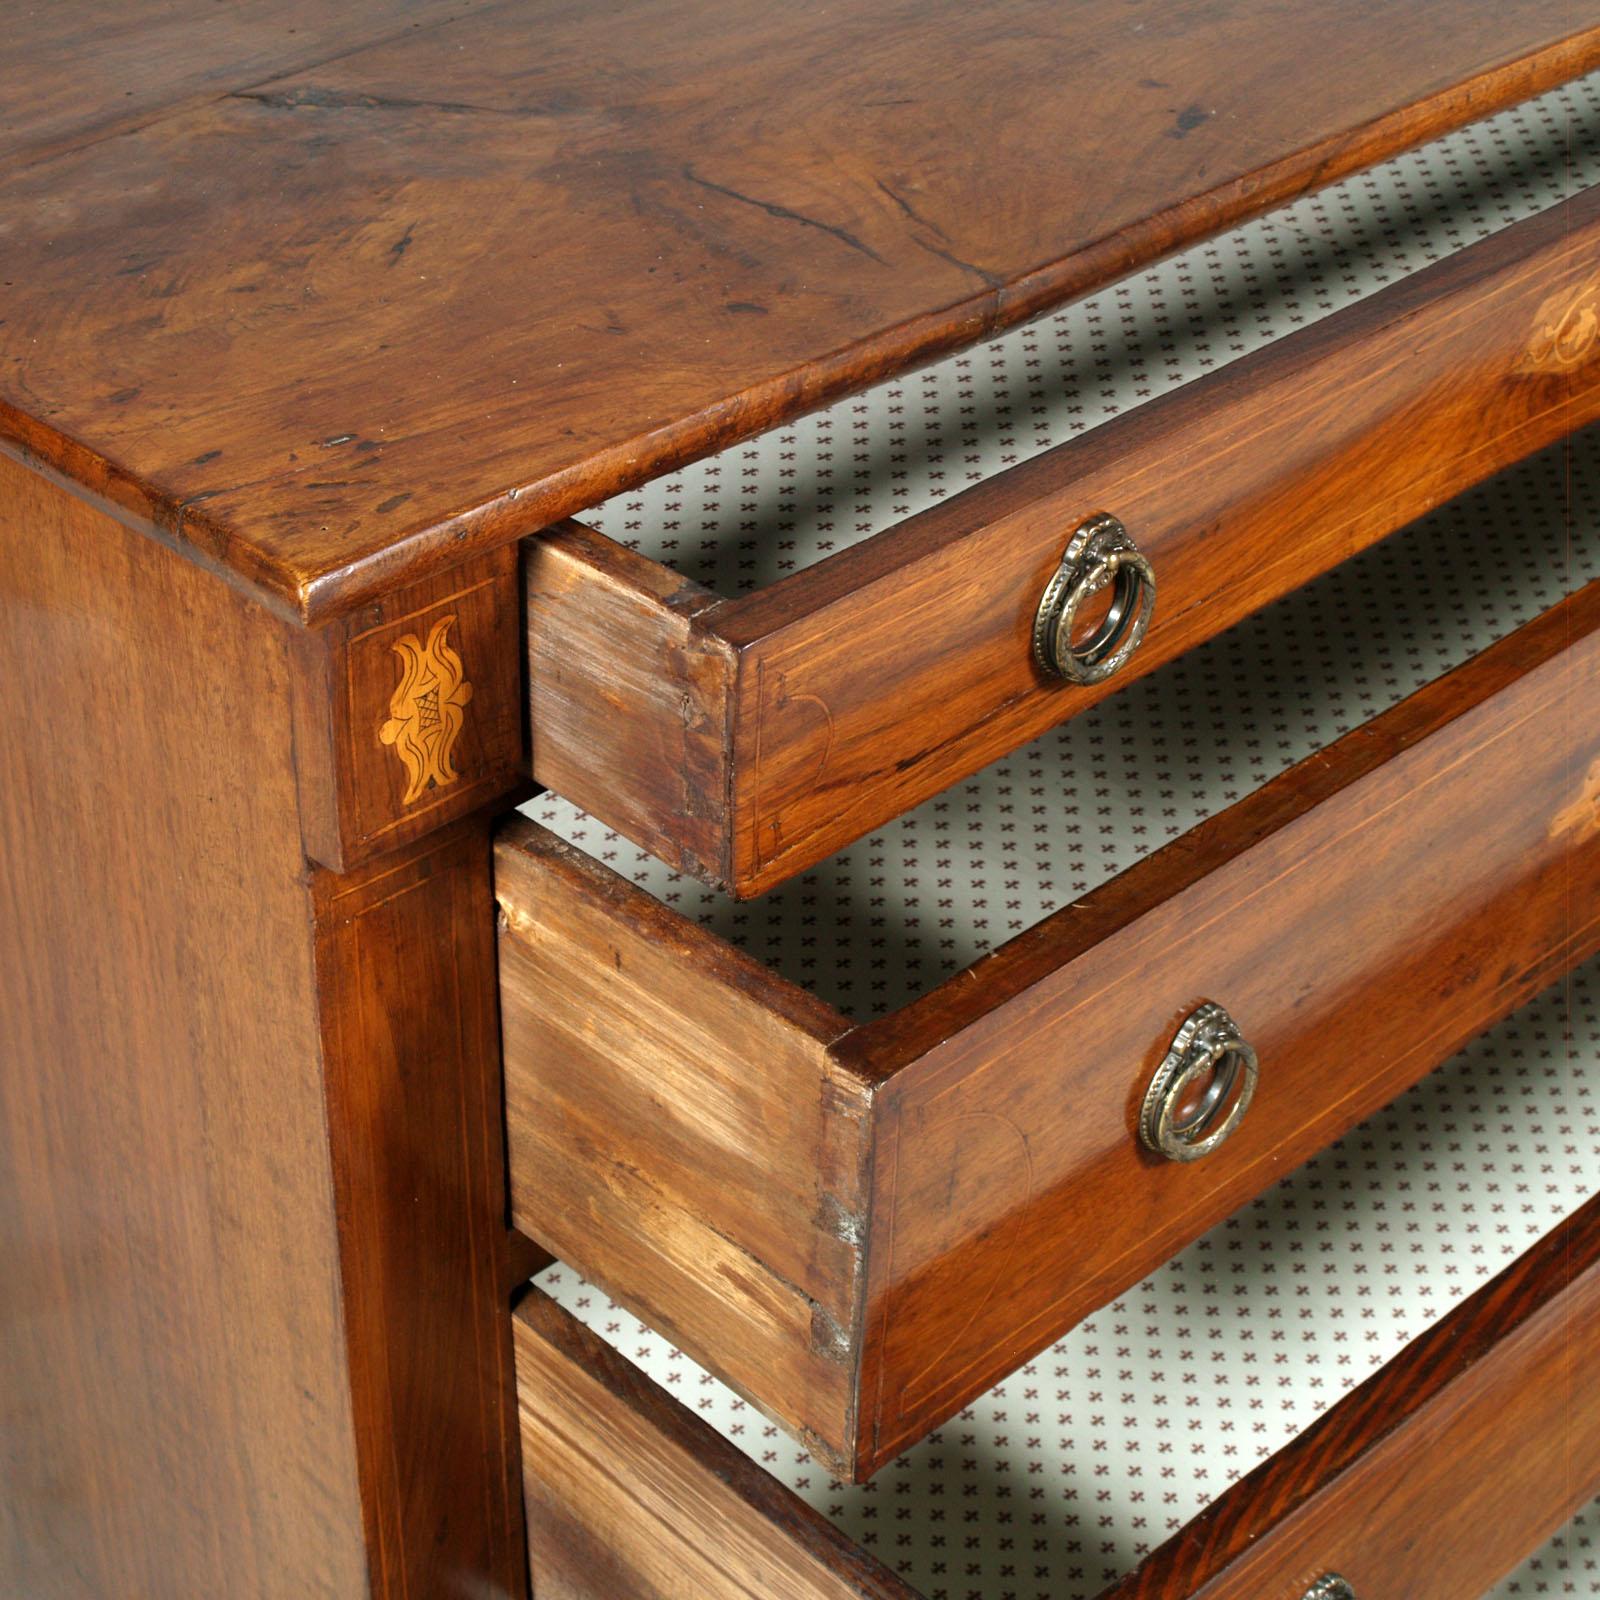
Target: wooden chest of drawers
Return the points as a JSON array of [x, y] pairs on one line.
[[317, 332]]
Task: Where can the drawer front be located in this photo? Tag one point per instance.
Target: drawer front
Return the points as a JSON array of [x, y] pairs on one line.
[[745, 740], [861, 1229], [1430, 1480]]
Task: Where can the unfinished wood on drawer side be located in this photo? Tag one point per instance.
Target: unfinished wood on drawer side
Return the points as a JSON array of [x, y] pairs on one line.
[[628, 699], [744, 740], [632, 1497], [681, 1128], [1439, 1473], [1360, 918]]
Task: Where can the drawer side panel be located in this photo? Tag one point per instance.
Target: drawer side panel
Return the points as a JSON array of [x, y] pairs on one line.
[[632, 1497], [676, 1131], [627, 699]]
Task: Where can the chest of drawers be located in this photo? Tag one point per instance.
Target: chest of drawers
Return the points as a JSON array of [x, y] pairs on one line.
[[402, 415]]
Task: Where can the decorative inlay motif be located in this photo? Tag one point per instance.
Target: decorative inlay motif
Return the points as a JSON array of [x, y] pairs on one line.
[[1582, 817], [1566, 331], [427, 712]]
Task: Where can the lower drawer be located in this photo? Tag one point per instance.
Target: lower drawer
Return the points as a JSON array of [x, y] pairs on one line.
[[1428, 1481], [862, 1228]]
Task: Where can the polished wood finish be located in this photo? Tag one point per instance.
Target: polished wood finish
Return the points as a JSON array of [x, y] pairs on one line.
[[1430, 1480], [252, 1204], [745, 740], [863, 1228], [174, 1405], [75, 71], [1425, 903], [1439, 1473], [410, 712], [405, 957], [632, 1497], [340, 327]]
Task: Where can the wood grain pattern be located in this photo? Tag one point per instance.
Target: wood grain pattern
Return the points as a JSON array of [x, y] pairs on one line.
[[252, 1202], [696, 1134], [174, 1405], [405, 956], [78, 70], [1423, 905], [674, 1116], [1430, 1480], [1438, 1474], [632, 1497], [422, 298], [854, 690], [627, 699]]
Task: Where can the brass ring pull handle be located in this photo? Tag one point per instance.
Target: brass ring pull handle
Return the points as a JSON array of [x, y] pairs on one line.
[[1101, 552], [1201, 1091], [1330, 1586]]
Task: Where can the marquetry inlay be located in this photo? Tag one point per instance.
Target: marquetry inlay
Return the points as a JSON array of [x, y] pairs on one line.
[[1566, 331], [428, 711]]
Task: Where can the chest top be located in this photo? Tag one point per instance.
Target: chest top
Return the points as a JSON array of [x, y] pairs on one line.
[[333, 298]]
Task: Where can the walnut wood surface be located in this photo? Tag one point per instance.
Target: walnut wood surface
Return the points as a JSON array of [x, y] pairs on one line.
[[1436, 868], [746, 740], [687, 1127], [174, 1409], [1428, 1481], [405, 960], [1437, 1475], [632, 1497], [337, 326], [75, 71], [252, 1214]]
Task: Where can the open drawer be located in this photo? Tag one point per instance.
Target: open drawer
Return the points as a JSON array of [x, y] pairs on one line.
[[862, 1222], [743, 737], [1377, 1371]]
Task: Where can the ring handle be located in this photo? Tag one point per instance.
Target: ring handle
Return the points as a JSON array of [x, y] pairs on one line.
[[1202, 1088], [1100, 552], [1330, 1586]]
